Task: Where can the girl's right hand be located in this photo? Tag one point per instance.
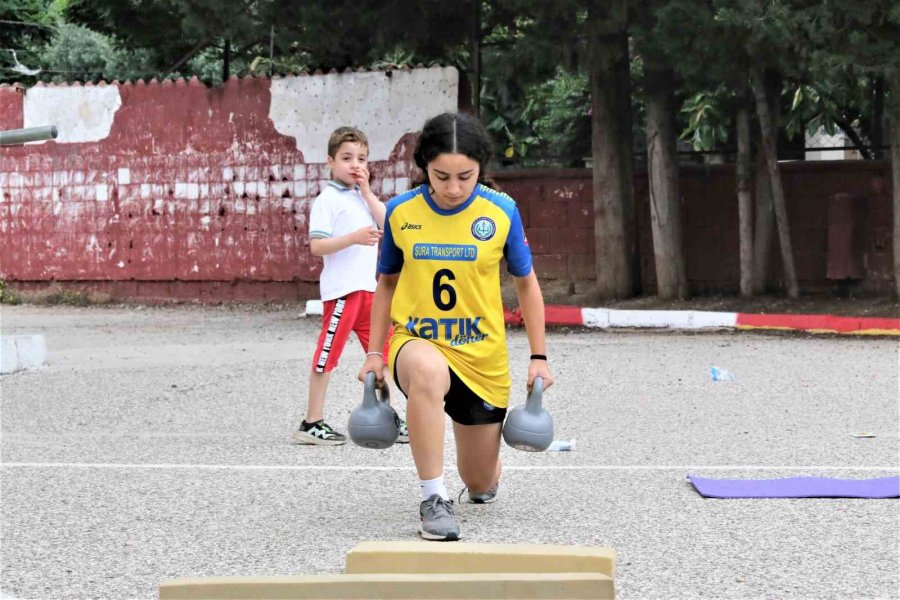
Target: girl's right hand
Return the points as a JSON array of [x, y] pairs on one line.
[[374, 364]]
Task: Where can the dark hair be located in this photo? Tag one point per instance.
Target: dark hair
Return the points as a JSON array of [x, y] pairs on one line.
[[454, 133], [345, 134]]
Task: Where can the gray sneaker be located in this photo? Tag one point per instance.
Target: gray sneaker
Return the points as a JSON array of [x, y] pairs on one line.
[[402, 431], [438, 522], [483, 498]]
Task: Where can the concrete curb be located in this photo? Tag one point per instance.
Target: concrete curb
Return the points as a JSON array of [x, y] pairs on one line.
[[609, 318], [314, 307], [18, 352], [695, 319], [821, 324]]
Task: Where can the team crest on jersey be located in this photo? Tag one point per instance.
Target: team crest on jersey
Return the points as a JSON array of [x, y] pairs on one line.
[[483, 229]]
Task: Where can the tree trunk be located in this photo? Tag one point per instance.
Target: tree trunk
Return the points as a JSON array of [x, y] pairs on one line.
[[745, 199], [198, 47], [226, 61], [662, 167], [475, 56], [606, 22], [763, 223], [894, 79], [778, 202], [877, 135], [623, 111], [845, 126]]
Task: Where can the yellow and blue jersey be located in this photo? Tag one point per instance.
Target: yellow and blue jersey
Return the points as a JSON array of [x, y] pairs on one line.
[[448, 292]]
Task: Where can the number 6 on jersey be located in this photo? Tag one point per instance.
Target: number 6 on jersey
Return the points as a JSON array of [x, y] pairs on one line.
[[438, 289]]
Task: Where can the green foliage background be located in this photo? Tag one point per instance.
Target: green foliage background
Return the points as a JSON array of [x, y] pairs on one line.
[[832, 59]]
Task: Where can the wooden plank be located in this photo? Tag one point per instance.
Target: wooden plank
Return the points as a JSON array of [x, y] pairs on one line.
[[394, 586], [428, 557]]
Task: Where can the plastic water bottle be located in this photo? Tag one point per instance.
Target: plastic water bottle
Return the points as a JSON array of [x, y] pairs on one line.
[[717, 374], [562, 446]]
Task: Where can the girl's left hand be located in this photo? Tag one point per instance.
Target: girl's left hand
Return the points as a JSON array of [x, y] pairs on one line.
[[539, 368]]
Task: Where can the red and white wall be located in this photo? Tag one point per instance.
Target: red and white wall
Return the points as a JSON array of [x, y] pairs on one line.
[[172, 189]]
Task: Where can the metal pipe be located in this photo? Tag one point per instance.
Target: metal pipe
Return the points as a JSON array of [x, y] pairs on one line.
[[14, 137]]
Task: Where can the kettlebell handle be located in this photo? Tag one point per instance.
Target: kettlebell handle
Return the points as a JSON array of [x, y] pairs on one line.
[[535, 398], [370, 380], [369, 393]]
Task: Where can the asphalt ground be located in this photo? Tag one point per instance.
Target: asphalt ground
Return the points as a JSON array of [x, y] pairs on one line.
[[156, 444]]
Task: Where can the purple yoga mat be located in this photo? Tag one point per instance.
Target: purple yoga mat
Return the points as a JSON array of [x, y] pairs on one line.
[[798, 487]]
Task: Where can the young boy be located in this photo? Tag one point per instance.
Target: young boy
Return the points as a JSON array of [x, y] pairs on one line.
[[345, 225]]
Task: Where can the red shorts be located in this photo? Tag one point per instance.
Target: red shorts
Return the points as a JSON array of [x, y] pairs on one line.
[[353, 313]]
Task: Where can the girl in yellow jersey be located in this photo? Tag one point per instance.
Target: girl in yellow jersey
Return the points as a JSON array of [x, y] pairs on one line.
[[440, 260]]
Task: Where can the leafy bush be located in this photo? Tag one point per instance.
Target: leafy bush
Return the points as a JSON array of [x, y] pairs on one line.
[[66, 297], [708, 119], [129, 65], [7, 295], [560, 109], [76, 52]]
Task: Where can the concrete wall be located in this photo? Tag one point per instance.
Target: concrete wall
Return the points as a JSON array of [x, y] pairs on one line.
[[174, 189]]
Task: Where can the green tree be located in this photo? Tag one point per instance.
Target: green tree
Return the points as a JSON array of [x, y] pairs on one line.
[[560, 109], [319, 34], [77, 53], [768, 33], [659, 87], [530, 55], [171, 33], [611, 110], [25, 26], [583, 37]]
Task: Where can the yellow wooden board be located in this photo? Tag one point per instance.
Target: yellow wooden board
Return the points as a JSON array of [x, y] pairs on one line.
[[395, 586], [428, 557]]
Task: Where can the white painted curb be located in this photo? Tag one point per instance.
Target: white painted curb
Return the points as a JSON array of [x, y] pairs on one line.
[[18, 352], [606, 318], [314, 307], [657, 319]]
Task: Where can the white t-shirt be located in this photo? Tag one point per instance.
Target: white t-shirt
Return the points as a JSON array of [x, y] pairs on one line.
[[337, 211]]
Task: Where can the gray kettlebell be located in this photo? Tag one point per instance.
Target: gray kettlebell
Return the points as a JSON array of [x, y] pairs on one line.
[[530, 427], [374, 424]]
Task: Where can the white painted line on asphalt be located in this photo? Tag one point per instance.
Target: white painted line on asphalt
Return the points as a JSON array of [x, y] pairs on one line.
[[188, 466], [53, 465]]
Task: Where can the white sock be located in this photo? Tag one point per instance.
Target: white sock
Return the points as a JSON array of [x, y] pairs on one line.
[[433, 486]]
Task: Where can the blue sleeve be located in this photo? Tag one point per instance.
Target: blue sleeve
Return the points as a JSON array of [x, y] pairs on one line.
[[516, 250], [390, 260]]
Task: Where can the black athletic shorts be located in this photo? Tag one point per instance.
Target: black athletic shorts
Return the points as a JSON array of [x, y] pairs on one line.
[[462, 404]]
